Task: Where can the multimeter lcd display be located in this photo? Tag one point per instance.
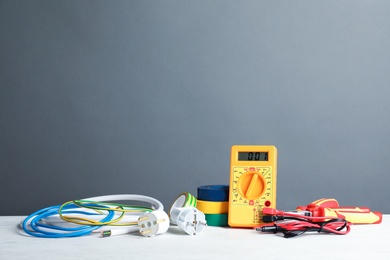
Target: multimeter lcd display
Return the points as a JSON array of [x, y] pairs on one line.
[[252, 156]]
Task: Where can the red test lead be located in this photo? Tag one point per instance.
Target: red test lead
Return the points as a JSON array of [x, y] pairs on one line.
[[322, 216]]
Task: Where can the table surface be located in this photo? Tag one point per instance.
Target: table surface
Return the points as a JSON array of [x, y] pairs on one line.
[[363, 241]]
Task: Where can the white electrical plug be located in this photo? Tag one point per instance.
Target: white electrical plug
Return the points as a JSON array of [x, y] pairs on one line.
[[153, 223], [189, 219]]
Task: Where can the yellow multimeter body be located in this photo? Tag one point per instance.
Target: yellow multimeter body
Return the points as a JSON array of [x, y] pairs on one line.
[[252, 183]]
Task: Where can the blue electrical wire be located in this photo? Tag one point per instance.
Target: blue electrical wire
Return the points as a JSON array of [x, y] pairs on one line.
[[34, 226]]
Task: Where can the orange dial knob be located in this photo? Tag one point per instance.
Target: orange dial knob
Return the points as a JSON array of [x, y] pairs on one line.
[[251, 185]]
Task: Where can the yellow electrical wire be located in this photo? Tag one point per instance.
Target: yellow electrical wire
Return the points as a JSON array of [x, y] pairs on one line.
[[101, 208]]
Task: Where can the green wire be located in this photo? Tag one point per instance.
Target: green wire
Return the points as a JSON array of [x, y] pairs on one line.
[[99, 207]]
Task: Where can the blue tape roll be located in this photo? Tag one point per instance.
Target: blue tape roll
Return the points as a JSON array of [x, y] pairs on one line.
[[213, 192]]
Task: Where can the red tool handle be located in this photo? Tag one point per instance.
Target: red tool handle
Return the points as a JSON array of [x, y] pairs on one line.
[[330, 208]]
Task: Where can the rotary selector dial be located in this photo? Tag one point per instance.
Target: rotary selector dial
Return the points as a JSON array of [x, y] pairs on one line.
[[251, 185]]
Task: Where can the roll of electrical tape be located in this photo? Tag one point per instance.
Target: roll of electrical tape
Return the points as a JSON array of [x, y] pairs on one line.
[[185, 199], [220, 220], [213, 207], [213, 192]]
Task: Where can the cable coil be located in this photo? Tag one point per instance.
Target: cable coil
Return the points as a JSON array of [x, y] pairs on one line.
[[82, 217]]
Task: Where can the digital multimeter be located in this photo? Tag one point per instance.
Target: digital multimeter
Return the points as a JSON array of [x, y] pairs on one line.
[[252, 184]]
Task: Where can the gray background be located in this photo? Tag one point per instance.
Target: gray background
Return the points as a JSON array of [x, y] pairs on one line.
[[147, 97]]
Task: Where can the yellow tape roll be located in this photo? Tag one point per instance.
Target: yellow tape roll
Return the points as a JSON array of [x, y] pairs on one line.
[[213, 207]]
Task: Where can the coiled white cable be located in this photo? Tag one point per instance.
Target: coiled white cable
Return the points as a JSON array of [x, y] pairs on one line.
[[47, 222], [156, 204]]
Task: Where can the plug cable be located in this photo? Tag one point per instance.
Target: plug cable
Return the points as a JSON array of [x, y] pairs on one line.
[[83, 217]]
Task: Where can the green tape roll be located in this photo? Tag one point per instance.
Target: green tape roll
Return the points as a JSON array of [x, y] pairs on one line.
[[220, 220]]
